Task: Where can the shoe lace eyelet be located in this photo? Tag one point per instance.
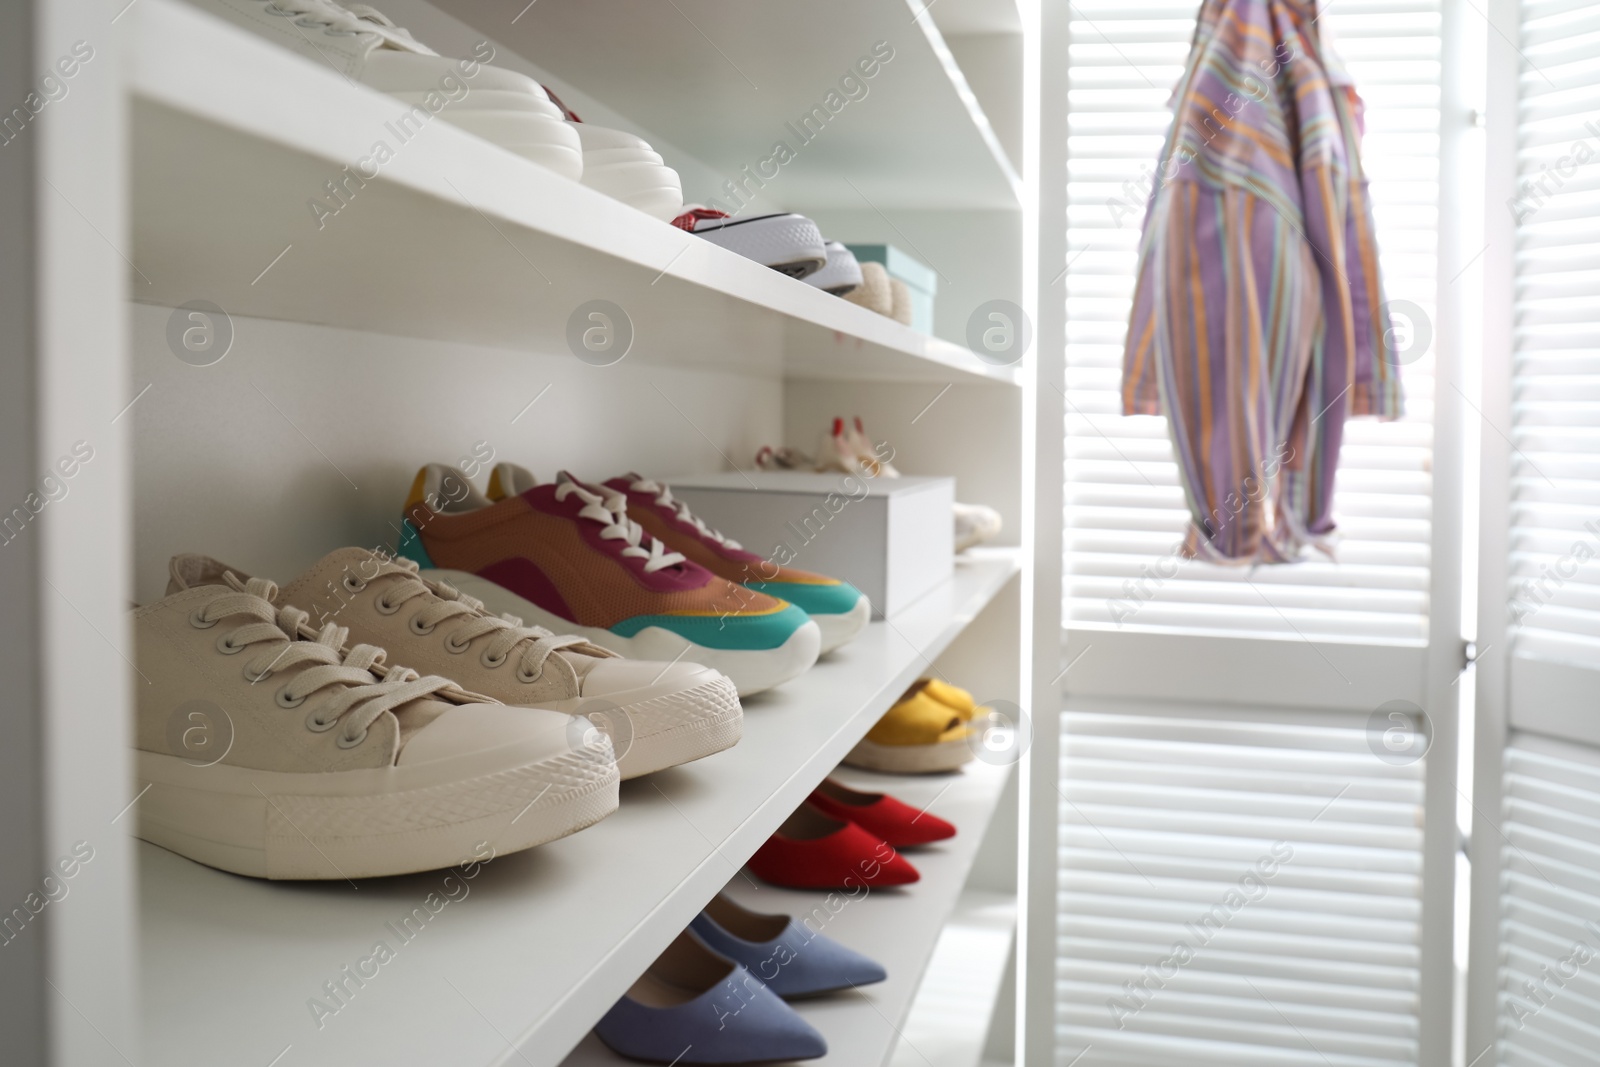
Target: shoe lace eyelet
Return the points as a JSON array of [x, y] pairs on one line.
[[346, 741], [317, 726], [527, 676], [286, 701], [420, 628], [198, 620], [491, 661], [384, 607], [226, 646], [454, 647], [353, 584]]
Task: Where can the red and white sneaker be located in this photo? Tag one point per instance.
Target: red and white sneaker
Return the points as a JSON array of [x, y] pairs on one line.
[[840, 610], [788, 243]]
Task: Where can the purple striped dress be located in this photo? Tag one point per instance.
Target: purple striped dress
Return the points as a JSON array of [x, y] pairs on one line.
[[1258, 324]]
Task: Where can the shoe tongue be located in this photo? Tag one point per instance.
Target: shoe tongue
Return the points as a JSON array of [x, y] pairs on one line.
[[416, 714], [581, 663], [317, 587], [567, 477], [624, 483], [264, 588]]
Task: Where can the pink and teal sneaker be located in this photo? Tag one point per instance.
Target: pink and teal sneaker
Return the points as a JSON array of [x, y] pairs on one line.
[[566, 556], [838, 608]]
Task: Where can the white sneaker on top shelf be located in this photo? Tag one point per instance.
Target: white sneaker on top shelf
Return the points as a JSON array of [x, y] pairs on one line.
[[359, 42], [625, 167]]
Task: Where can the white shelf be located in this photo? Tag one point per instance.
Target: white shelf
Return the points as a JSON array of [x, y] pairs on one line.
[[723, 81], [545, 940], [950, 1020], [897, 927], [454, 240]]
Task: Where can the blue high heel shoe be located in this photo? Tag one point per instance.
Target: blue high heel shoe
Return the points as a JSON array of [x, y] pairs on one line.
[[787, 956], [694, 1006]]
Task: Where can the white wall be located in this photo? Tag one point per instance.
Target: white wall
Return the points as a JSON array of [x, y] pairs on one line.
[[968, 432], [218, 470], [992, 64]]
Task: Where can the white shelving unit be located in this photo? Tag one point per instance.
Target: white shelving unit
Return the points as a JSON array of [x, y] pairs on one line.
[[544, 941], [223, 172], [421, 318]]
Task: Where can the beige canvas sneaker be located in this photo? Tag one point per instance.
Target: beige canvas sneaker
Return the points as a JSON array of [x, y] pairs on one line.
[[268, 748], [657, 715]]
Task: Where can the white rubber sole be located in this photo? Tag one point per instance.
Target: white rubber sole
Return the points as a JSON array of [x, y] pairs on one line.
[[752, 670], [546, 139], [841, 629], [841, 275], [790, 244], [653, 190], [369, 823], [628, 170], [667, 730], [910, 759]]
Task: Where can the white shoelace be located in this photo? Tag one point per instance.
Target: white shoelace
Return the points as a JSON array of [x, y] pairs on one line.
[[339, 21], [665, 499], [611, 512], [399, 34], [362, 695], [444, 601]]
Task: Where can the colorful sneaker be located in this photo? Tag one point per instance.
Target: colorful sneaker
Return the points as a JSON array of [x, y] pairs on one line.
[[657, 715], [268, 748], [839, 609], [566, 556]]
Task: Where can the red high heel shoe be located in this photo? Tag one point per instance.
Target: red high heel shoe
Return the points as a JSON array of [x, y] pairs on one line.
[[813, 851], [881, 815]]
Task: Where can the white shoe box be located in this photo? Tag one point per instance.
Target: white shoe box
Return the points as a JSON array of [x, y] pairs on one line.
[[891, 538]]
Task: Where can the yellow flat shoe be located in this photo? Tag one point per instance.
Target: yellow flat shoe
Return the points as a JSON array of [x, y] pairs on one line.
[[953, 697], [919, 735]]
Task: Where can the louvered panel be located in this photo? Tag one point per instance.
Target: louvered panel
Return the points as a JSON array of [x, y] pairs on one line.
[[1550, 904], [1279, 851], [1555, 432], [1125, 511]]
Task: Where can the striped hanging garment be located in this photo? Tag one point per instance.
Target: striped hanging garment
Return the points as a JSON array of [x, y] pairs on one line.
[[1258, 321]]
